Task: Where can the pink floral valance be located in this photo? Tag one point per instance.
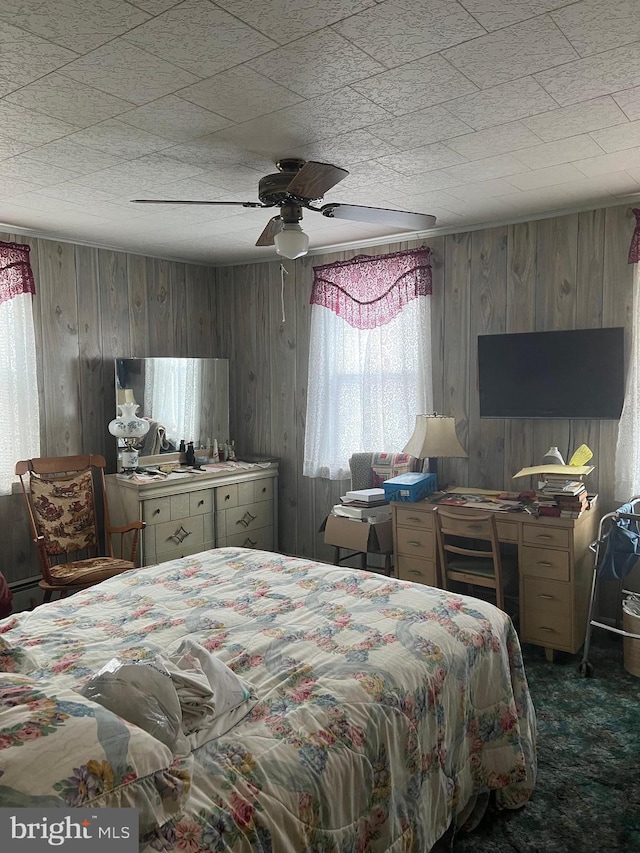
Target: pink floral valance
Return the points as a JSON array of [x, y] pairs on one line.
[[370, 290], [16, 276], [634, 249]]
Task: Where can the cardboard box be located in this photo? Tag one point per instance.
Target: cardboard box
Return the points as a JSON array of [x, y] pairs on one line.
[[358, 535], [410, 487]]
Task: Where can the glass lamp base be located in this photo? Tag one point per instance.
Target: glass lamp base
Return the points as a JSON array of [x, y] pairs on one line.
[[129, 460]]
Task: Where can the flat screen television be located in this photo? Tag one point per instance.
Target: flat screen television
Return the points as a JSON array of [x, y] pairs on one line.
[[578, 373]]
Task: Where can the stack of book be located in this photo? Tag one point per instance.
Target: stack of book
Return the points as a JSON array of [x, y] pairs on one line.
[[364, 505], [561, 497]]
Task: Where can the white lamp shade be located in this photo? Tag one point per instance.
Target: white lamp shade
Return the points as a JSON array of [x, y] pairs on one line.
[[434, 436], [291, 242], [128, 425]]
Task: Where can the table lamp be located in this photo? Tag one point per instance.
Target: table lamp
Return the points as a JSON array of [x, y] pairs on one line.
[[434, 436], [130, 429]]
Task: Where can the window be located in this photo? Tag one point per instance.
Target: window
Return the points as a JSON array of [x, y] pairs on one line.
[[369, 358], [19, 414]]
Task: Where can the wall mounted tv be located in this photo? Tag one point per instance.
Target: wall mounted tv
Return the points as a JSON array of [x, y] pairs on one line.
[[578, 373]]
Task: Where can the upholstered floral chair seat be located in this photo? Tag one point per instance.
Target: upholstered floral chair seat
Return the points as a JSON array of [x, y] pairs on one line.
[[90, 571]]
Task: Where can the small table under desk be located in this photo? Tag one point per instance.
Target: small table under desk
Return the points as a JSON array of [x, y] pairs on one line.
[[554, 561]]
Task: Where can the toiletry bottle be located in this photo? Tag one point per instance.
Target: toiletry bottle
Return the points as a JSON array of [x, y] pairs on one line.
[[215, 455], [182, 447], [191, 454], [232, 451]]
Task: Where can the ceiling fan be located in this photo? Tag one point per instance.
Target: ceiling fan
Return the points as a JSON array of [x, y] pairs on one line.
[[295, 186]]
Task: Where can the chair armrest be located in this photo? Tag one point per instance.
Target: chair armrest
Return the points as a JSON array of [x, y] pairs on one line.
[[134, 525]]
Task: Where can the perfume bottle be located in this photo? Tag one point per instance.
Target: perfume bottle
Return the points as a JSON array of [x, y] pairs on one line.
[[190, 455]]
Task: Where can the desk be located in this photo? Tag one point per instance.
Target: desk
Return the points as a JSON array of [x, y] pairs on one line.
[[554, 561]]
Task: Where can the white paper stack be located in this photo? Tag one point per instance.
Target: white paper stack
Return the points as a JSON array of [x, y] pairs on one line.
[[366, 496]]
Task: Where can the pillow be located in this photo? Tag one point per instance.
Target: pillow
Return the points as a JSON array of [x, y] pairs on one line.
[[58, 748]]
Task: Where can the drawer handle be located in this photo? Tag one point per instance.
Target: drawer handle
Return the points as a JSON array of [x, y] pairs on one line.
[[246, 519], [200, 503], [544, 563], [414, 542], [549, 630], [249, 543], [413, 518], [546, 596], [544, 536], [180, 535], [414, 572], [264, 489], [156, 512], [227, 497]]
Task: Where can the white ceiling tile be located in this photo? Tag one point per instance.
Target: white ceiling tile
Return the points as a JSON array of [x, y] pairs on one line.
[[119, 139], [316, 64], [419, 128], [606, 163], [154, 7], [30, 127], [480, 190], [211, 150], [148, 172], [576, 119], [175, 119], [398, 31], [62, 98], [75, 24], [470, 208], [416, 85], [593, 26], [500, 104], [237, 181], [286, 20], [500, 166], [629, 102], [512, 52], [76, 193], [36, 173], [347, 149], [15, 187], [9, 147], [240, 94], [562, 151], [618, 138], [402, 186], [69, 154], [594, 76], [424, 159], [200, 37], [494, 140], [121, 69], [551, 176], [496, 14], [25, 57], [7, 86]]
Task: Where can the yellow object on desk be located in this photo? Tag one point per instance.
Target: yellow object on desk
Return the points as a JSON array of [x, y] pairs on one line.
[[581, 456], [569, 470]]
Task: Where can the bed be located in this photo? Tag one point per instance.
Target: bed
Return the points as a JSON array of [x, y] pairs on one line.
[[380, 708]]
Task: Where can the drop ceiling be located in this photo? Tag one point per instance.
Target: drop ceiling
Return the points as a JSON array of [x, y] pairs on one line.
[[478, 111]]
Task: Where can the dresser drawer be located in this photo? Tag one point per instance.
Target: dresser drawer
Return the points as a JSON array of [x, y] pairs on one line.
[[408, 517], [416, 542], [226, 496], [262, 539], [546, 613], [553, 537], [544, 563], [185, 550], [243, 519], [201, 502], [416, 570], [182, 533]]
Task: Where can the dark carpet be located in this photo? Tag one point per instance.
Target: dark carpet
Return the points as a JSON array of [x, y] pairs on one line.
[[587, 796]]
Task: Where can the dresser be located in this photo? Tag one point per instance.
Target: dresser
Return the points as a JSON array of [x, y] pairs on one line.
[[555, 567], [187, 513]]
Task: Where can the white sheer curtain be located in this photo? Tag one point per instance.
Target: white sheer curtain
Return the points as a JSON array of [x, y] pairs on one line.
[[627, 483], [173, 396], [365, 385], [19, 412]]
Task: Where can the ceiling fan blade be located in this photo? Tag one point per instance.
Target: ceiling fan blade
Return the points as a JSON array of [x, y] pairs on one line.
[[193, 201], [379, 216], [273, 227], [315, 179]]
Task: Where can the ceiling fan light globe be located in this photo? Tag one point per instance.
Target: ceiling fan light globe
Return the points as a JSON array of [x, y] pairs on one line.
[[291, 242]]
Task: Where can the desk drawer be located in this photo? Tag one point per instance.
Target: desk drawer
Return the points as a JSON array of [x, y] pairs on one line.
[[544, 563], [546, 613], [551, 537], [407, 517], [416, 570], [416, 542]]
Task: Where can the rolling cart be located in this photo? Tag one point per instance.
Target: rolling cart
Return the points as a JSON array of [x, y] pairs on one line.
[[617, 549]]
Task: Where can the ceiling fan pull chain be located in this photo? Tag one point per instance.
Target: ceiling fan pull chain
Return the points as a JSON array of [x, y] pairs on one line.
[[283, 272]]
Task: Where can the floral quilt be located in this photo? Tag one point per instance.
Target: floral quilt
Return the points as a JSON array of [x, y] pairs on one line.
[[382, 708]]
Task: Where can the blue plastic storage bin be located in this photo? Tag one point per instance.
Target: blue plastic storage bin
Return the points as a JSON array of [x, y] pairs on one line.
[[410, 487]]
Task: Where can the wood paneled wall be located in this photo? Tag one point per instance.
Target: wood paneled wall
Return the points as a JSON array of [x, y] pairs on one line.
[[94, 304]]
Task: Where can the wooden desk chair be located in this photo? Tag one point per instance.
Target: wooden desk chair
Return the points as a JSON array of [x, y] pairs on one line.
[[61, 496], [469, 551]]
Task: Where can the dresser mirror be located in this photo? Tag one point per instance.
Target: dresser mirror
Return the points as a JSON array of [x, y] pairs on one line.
[[183, 398]]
